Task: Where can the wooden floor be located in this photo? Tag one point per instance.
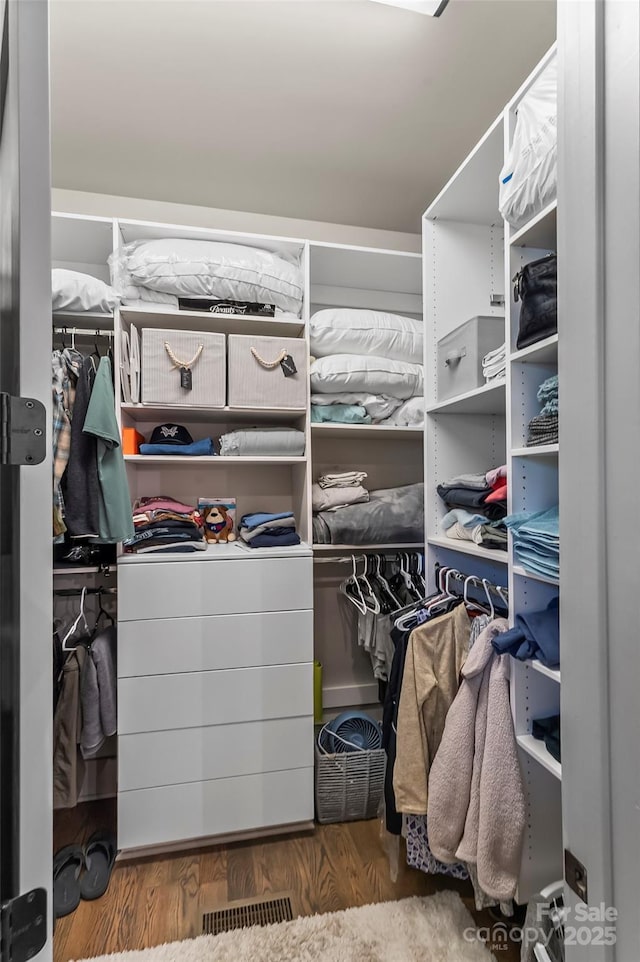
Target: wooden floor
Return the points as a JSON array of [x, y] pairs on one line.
[[153, 901]]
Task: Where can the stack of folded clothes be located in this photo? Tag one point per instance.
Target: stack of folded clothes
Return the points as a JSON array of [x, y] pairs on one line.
[[494, 364], [262, 530], [333, 491], [536, 541], [163, 525], [174, 439], [536, 635], [263, 442], [543, 428], [477, 504]]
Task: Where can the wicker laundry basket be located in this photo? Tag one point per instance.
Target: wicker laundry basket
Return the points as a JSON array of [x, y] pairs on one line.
[[349, 785]]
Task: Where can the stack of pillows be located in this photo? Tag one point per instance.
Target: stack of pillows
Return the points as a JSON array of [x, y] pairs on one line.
[[367, 367]]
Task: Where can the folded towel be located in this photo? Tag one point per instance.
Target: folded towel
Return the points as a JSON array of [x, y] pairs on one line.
[[203, 448], [339, 413], [258, 442], [345, 480], [476, 481], [253, 520], [330, 499], [275, 541], [278, 526]]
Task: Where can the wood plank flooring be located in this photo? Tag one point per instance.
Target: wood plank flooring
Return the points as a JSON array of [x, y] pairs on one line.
[[151, 901]]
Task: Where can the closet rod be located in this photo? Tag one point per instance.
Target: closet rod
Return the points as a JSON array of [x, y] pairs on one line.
[[83, 331], [76, 592], [348, 558], [475, 580]]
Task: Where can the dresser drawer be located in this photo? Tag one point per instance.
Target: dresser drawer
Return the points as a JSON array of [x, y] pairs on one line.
[[180, 813], [194, 700], [154, 759], [209, 644], [216, 587]]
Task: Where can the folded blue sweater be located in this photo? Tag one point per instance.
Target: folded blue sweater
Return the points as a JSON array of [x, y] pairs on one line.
[[536, 635], [196, 449]]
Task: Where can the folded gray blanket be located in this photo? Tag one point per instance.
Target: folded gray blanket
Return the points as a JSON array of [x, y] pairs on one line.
[[263, 442], [332, 499], [391, 514]]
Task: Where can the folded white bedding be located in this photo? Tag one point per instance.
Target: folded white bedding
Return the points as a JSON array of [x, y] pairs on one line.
[[365, 374], [350, 331], [141, 296], [409, 414], [330, 499]]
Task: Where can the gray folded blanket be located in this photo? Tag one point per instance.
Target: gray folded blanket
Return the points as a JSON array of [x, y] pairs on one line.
[[331, 499], [263, 442], [390, 515]]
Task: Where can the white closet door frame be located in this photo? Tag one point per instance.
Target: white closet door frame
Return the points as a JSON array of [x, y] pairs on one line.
[[599, 354]]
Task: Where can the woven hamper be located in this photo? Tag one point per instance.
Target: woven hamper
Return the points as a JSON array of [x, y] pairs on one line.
[[161, 382], [256, 378], [349, 785]]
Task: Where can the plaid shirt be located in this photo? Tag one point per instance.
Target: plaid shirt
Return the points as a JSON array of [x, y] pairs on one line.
[[65, 368]]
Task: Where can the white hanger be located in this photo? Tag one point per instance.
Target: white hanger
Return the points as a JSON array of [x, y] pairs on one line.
[[504, 594], [72, 630], [376, 604], [486, 584], [360, 602], [465, 595]]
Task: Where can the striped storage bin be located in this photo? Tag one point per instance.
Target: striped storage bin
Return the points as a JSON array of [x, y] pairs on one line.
[[163, 353], [256, 375]]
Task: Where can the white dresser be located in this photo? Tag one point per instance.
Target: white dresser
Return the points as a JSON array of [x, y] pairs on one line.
[[215, 694]]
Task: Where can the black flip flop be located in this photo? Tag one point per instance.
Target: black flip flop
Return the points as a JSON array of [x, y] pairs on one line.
[[67, 865], [99, 856]]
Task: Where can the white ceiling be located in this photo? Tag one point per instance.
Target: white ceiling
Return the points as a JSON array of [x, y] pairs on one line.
[[334, 110]]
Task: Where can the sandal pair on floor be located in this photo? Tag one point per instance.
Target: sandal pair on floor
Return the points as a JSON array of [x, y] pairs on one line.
[[70, 883]]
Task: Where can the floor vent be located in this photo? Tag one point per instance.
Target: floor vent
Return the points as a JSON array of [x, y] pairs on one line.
[[241, 915]]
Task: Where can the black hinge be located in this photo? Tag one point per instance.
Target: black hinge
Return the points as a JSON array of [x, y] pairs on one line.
[[23, 438], [24, 926], [575, 875]]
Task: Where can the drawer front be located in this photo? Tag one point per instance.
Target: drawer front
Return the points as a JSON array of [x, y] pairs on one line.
[[155, 759], [164, 702], [218, 642], [176, 813], [242, 586]]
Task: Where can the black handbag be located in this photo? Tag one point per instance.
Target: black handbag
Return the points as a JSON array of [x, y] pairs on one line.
[[536, 287]]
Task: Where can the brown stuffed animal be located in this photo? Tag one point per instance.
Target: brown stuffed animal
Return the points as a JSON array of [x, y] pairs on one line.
[[218, 526]]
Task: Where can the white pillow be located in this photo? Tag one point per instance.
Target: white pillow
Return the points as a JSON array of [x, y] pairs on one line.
[[348, 331], [409, 414], [197, 268], [358, 374], [73, 291]]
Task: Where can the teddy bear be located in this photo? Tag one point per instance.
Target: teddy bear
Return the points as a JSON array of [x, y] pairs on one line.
[[218, 526]]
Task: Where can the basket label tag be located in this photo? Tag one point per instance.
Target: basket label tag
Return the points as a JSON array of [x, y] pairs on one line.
[[186, 379], [288, 366]]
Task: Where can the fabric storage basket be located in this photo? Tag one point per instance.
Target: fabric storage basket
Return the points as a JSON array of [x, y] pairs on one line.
[[256, 376], [460, 355], [349, 785], [162, 381]]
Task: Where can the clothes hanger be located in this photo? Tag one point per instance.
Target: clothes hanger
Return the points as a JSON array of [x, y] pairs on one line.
[[469, 602], [102, 613], [487, 584], [72, 630], [371, 593], [357, 600]]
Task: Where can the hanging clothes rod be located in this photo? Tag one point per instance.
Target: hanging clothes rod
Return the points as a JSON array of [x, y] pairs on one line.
[[474, 580], [348, 558], [82, 332], [77, 592]]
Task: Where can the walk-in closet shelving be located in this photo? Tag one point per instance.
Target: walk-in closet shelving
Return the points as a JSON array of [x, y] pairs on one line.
[[365, 278], [470, 257]]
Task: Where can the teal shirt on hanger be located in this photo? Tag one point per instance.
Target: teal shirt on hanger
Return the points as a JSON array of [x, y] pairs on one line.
[[116, 522]]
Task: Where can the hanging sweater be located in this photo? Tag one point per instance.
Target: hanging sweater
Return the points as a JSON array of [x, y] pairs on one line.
[[477, 807], [435, 655]]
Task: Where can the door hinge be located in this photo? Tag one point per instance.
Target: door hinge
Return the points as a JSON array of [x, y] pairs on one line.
[[23, 438], [575, 875], [23, 922]]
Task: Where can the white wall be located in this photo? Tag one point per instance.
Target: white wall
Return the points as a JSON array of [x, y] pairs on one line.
[[110, 205]]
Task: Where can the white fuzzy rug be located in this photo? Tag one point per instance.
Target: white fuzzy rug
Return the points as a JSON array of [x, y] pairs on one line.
[[413, 930]]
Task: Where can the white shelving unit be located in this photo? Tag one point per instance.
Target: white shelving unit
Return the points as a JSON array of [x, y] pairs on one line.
[[470, 256]]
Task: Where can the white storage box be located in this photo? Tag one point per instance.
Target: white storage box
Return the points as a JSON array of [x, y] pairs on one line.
[[256, 375], [164, 353], [460, 355]]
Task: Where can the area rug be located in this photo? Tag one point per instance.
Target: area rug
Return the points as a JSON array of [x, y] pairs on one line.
[[433, 929]]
